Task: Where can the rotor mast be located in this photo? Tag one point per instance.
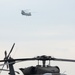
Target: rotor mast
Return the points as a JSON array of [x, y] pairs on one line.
[[11, 68], [44, 58]]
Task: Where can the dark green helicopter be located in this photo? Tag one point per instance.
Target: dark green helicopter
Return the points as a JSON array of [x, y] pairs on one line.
[[33, 70]]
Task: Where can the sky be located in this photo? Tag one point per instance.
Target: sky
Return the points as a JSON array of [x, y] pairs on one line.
[[49, 31]]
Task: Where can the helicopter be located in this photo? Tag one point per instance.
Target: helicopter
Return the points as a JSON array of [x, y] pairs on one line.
[[25, 13], [33, 70]]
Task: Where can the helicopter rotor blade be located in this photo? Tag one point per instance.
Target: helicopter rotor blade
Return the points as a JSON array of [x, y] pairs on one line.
[[28, 59], [21, 59], [67, 60], [41, 58], [2, 67], [4, 59], [8, 63], [11, 50], [50, 58], [5, 54]]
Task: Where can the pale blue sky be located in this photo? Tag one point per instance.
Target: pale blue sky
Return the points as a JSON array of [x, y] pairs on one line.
[[50, 30]]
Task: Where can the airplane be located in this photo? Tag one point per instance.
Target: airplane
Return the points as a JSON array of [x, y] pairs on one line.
[[33, 70], [25, 13]]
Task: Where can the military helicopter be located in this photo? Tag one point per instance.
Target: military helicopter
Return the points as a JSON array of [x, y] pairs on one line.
[[33, 70], [25, 13]]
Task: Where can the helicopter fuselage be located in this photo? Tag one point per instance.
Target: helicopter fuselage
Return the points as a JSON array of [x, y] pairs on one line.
[[39, 70]]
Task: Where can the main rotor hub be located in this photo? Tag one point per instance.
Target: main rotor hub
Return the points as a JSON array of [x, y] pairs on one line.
[[44, 57]]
